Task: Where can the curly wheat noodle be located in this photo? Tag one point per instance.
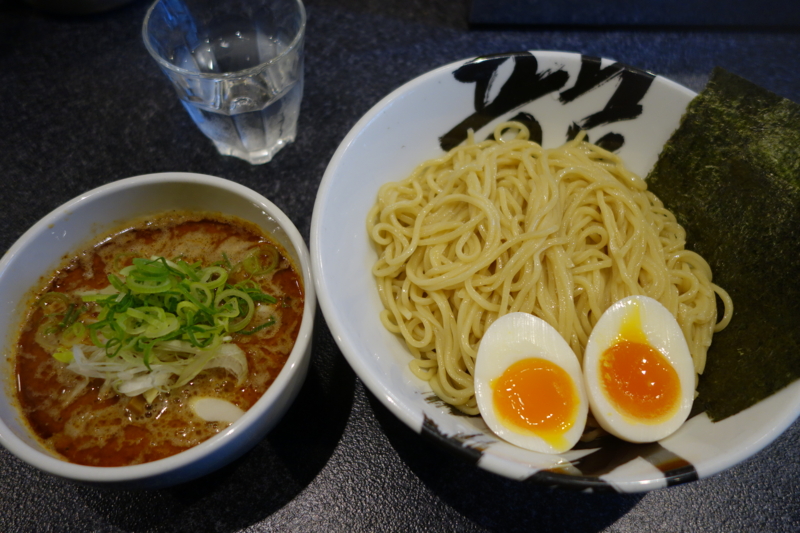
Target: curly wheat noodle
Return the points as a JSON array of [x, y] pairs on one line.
[[504, 225]]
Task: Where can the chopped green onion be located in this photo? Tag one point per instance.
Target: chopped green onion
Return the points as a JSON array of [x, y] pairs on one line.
[[121, 259], [53, 302], [262, 260], [65, 356], [151, 305], [74, 334], [258, 328]]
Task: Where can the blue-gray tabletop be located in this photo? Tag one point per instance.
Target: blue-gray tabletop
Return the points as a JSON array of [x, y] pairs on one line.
[[83, 104]]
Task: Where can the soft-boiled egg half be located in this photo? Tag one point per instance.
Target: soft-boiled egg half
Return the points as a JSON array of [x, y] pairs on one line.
[[638, 371], [529, 385]]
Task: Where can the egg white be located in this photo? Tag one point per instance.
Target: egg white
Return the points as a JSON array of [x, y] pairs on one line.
[[664, 334], [514, 337]]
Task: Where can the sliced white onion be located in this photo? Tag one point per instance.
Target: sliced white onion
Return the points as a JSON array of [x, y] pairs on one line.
[[215, 410]]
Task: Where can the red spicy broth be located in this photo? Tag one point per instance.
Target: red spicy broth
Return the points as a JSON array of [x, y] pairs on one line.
[[82, 419]]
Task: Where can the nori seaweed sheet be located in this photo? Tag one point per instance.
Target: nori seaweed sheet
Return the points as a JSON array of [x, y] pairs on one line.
[[731, 175]]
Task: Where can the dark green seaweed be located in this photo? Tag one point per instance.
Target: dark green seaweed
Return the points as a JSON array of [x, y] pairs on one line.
[[731, 175]]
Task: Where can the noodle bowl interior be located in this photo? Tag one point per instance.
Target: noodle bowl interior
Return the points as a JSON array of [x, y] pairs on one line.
[[504, 226], [110, 375]]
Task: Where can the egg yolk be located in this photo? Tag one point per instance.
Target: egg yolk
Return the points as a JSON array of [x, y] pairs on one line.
[[536, 396], [637, 378]]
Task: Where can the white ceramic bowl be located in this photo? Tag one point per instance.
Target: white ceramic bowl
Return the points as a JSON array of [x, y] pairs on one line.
[[403, 130], [73, 225]]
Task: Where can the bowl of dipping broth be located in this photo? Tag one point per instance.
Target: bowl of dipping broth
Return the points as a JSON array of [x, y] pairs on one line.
[[161, 326], [493, 265]]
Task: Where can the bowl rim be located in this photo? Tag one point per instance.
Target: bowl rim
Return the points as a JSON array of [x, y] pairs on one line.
[[121, 474], [411, 417]]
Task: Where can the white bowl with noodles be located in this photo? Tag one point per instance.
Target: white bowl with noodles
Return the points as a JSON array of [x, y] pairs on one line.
[[74, 225], [626, 110]]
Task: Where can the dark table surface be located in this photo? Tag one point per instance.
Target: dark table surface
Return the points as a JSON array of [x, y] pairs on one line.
[[83, 104]]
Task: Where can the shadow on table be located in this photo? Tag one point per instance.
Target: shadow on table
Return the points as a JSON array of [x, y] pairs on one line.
[[264, 479], [495, 502]]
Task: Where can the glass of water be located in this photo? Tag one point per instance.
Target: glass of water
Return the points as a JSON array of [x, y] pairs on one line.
[[237, 66]]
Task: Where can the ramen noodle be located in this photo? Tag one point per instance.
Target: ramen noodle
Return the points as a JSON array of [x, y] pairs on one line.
[[505, 225]]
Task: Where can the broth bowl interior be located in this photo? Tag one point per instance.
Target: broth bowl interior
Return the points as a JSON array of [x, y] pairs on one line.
[[405, 129], [74, 226]]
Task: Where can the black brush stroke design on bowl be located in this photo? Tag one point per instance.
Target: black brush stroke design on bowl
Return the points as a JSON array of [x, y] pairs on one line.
[[608, 453], [459, 442], [612, 453], [526, 84], [433, 399]]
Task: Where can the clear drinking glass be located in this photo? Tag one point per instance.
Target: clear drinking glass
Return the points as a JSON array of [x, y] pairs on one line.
[[237, 66]]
